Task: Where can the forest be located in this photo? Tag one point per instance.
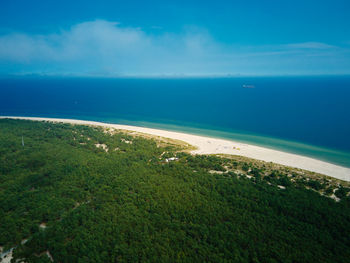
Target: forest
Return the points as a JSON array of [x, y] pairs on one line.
[[74, 193]]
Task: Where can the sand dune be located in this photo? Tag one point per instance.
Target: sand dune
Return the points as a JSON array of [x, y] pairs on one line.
[[208, 145]]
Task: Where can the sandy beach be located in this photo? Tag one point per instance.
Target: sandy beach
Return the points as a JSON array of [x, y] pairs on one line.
[[208, 145]]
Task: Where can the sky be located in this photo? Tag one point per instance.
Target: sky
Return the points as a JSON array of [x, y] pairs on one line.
[[181, 38]]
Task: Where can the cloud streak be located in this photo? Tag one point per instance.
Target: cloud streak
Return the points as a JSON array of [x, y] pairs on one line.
[[106, 48], [310, 45]]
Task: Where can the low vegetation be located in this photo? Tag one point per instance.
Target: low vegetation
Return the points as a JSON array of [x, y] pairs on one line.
[[76, 193]]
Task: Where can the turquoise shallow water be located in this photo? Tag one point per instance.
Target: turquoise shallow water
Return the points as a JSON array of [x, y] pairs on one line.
[[308, 116]]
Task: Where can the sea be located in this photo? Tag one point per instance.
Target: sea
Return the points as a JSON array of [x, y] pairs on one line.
[[303, 115]]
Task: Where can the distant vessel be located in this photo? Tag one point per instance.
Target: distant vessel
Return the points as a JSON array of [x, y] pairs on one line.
[[248, 86]]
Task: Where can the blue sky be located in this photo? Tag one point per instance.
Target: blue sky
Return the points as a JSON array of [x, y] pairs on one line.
[[150, 38]]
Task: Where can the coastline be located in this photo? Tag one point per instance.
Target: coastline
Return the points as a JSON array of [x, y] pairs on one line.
[[209, 145], [322, 153]]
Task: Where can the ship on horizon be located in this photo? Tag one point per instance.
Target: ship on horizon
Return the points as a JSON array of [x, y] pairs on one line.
[[248, 86]]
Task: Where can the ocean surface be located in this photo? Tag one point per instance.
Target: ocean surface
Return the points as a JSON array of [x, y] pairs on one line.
[[303, 115]]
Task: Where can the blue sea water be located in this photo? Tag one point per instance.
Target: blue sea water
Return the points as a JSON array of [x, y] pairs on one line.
[[304, 115]]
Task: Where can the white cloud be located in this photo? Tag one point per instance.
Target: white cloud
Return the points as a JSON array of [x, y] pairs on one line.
[[107, 48], [106, 45], [310, 45]]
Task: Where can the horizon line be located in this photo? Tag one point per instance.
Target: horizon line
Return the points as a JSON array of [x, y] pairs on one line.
[[166, 76]]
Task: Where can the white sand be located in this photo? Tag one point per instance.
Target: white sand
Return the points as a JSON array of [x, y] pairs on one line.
[[6, 257], [207, 145]]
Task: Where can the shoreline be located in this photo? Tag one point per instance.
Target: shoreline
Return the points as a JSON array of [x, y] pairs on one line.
[[322, 153], [210, 145]]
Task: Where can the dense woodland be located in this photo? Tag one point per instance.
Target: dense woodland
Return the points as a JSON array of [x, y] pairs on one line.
[[82, 194]]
